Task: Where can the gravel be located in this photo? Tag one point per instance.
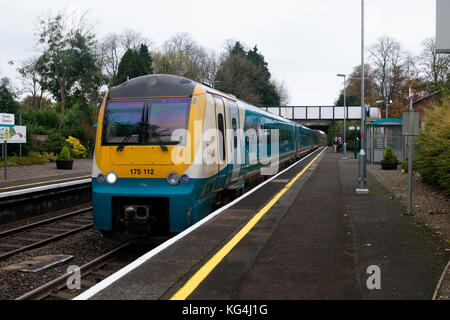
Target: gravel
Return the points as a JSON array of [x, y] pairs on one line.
[[431, 207], [30, 220], [84, 246]]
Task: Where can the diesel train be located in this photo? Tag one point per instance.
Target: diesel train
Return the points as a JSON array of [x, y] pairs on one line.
[[168, 148]]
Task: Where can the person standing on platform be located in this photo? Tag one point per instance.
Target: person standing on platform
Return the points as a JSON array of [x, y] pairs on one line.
[[357, 147], [340, 144]]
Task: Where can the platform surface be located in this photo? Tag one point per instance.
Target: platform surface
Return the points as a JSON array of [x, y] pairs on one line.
[[33, 176], [316, 242]]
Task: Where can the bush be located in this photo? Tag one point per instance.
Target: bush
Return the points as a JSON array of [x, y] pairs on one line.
[[405, 166], [432, 158], [25, 161], [50, 156], [388, 154], [64, 154], [54, 143], [77, 149], [34, 154]]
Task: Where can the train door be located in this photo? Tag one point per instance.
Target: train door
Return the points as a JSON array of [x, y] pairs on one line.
[[222, 167], [235, 167]]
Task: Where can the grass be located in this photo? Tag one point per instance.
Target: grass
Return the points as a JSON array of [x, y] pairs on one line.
[[25, 161]]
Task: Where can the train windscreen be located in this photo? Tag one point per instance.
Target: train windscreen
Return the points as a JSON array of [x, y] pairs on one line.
[[164, 117], [145, 122]]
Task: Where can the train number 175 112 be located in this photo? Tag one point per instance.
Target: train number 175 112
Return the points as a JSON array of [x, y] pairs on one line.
[[141, 171]]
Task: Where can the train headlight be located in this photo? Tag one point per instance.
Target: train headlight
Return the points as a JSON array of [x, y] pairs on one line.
[[101, 177], [184, 178], [111, 177], [173, 178]]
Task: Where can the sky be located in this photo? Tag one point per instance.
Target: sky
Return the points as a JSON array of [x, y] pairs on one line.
[[305, 42]]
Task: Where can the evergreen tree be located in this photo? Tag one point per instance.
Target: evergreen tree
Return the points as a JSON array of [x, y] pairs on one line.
[[246, 75], [8, 104], [145, 59], [238, 49], [134, 64], [127, 68]]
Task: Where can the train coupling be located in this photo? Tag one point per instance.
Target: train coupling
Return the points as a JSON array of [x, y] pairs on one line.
[[137, 213]]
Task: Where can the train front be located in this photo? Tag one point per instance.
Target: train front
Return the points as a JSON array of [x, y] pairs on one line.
[[138, 186]]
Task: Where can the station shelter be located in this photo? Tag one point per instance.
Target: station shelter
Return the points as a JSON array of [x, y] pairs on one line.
[[383, 133]]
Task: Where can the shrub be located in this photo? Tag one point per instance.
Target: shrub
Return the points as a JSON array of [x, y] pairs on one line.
[[24, 161], [405, 166], [48, 117], [78, 150], [432, 158], [50, 156], [389, 154], [64, 154], [54, 143]]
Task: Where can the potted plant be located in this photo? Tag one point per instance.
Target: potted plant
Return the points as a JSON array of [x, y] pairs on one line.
[[390, 161], [64, 160]]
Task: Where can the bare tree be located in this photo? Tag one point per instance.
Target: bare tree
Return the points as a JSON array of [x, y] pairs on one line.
[[30, 79], [113, 46], [131, 39], [282, 91], [182, 42], [435, 67], [388, 60], [111, 54], [182, 56]]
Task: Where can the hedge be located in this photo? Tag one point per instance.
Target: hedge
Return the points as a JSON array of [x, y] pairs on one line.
[[432, 158]]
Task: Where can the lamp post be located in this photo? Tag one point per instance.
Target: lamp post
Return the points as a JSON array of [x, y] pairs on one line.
[[362, 154], [345, 117]]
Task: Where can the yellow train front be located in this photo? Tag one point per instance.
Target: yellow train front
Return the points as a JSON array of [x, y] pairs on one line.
[[168, 147]]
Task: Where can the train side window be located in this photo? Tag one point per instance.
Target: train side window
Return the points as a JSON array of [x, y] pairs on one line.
[[222, 131], [234, 126], [258, 132], [268, 140]]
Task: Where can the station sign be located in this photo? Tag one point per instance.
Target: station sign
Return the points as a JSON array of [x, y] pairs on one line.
[[442, 26], [410, 125], [13, 134], [6, 119]]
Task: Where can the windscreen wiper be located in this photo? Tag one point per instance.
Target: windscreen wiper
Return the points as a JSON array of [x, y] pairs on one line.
[[122, 144], [158, 137]]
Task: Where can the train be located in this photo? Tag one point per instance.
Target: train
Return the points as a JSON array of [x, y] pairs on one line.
[[168, 150]]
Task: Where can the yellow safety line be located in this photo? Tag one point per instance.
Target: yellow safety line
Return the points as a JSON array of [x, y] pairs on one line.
[[209, 266], [42, 182]]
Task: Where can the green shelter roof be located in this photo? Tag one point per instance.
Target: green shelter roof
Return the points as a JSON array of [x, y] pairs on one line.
[[387, 122]]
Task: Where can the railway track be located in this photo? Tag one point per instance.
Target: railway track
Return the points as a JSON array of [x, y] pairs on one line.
[[91, 273], [43, 232]]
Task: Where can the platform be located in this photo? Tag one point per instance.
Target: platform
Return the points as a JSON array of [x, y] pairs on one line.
[[37, 185], [35, 178], [41, 189], [315, 240]]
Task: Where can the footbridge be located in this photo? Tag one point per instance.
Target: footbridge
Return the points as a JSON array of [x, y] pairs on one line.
[[319, 117]]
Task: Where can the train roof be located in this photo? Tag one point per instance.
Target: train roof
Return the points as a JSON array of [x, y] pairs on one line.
[[159, 85], [163, 85]]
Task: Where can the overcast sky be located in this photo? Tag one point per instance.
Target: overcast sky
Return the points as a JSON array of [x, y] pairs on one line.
[[305, 42]]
